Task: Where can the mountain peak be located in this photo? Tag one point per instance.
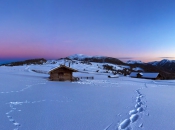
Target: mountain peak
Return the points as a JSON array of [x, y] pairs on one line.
[[100, 59], [166, 60], [162, 62], [79, 56]]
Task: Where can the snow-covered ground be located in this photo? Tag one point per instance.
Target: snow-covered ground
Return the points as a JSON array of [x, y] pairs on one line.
[[29, 101]]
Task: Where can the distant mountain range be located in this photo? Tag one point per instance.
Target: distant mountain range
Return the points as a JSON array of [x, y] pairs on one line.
[[100, 59], [165, 64], [27, 62], [164, 67]]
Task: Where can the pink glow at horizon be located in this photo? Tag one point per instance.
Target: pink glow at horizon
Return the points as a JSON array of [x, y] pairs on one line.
[[55, 51], [58, 28], [10, 50], [26, 51]]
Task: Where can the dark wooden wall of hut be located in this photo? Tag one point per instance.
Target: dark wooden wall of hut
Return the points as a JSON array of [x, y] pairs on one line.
[[61, 74]]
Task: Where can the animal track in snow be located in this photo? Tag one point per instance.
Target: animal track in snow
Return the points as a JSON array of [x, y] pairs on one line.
[[100, 83], [133, 114], [13, 109], [133, 117], [23, 89], [124, 124], [146, 85], [140, 109]]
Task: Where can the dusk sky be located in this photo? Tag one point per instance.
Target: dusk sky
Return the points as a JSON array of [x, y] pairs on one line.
[[51, 29]]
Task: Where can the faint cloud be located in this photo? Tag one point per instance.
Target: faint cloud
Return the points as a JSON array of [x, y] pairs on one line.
[[167, 57]]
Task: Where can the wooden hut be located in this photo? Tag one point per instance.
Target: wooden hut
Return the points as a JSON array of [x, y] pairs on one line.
[[61, 73]]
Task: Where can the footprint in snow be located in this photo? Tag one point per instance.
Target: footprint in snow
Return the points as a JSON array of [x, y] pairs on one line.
[[11, 120], [137, 105], [134, 117], [138, 99], [16, 124], [124, 124], [12, 104], [140, 109], [132, 112]]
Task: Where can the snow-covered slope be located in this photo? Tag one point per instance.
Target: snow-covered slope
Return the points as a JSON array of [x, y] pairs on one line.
[[82, 66], [31, 102], [134, 62]]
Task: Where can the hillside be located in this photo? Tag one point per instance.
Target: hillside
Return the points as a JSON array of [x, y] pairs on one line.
[[165, 72], [39, 61], [101, 64]]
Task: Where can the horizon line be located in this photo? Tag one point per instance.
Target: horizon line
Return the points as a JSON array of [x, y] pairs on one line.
[[123, 59]]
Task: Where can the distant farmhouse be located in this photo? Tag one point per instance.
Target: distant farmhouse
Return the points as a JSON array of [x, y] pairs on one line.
[[154, 76], [62, 73]]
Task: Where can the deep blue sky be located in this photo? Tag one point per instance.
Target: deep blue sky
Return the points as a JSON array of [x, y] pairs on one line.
[[138, 29]]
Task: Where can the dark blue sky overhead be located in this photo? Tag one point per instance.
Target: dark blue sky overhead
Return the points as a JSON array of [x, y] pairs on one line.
[[140, 29]]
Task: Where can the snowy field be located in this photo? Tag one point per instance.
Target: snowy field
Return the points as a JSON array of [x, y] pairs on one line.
[[30, 102]]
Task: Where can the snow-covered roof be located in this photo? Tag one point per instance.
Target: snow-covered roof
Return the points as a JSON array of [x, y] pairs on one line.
[[62, 66], [144, 75]]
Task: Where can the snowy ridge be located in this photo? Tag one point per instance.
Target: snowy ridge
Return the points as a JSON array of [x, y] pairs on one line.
[[99, 59], [134, 62], [165, 65], [162, 62], [82, 57]]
